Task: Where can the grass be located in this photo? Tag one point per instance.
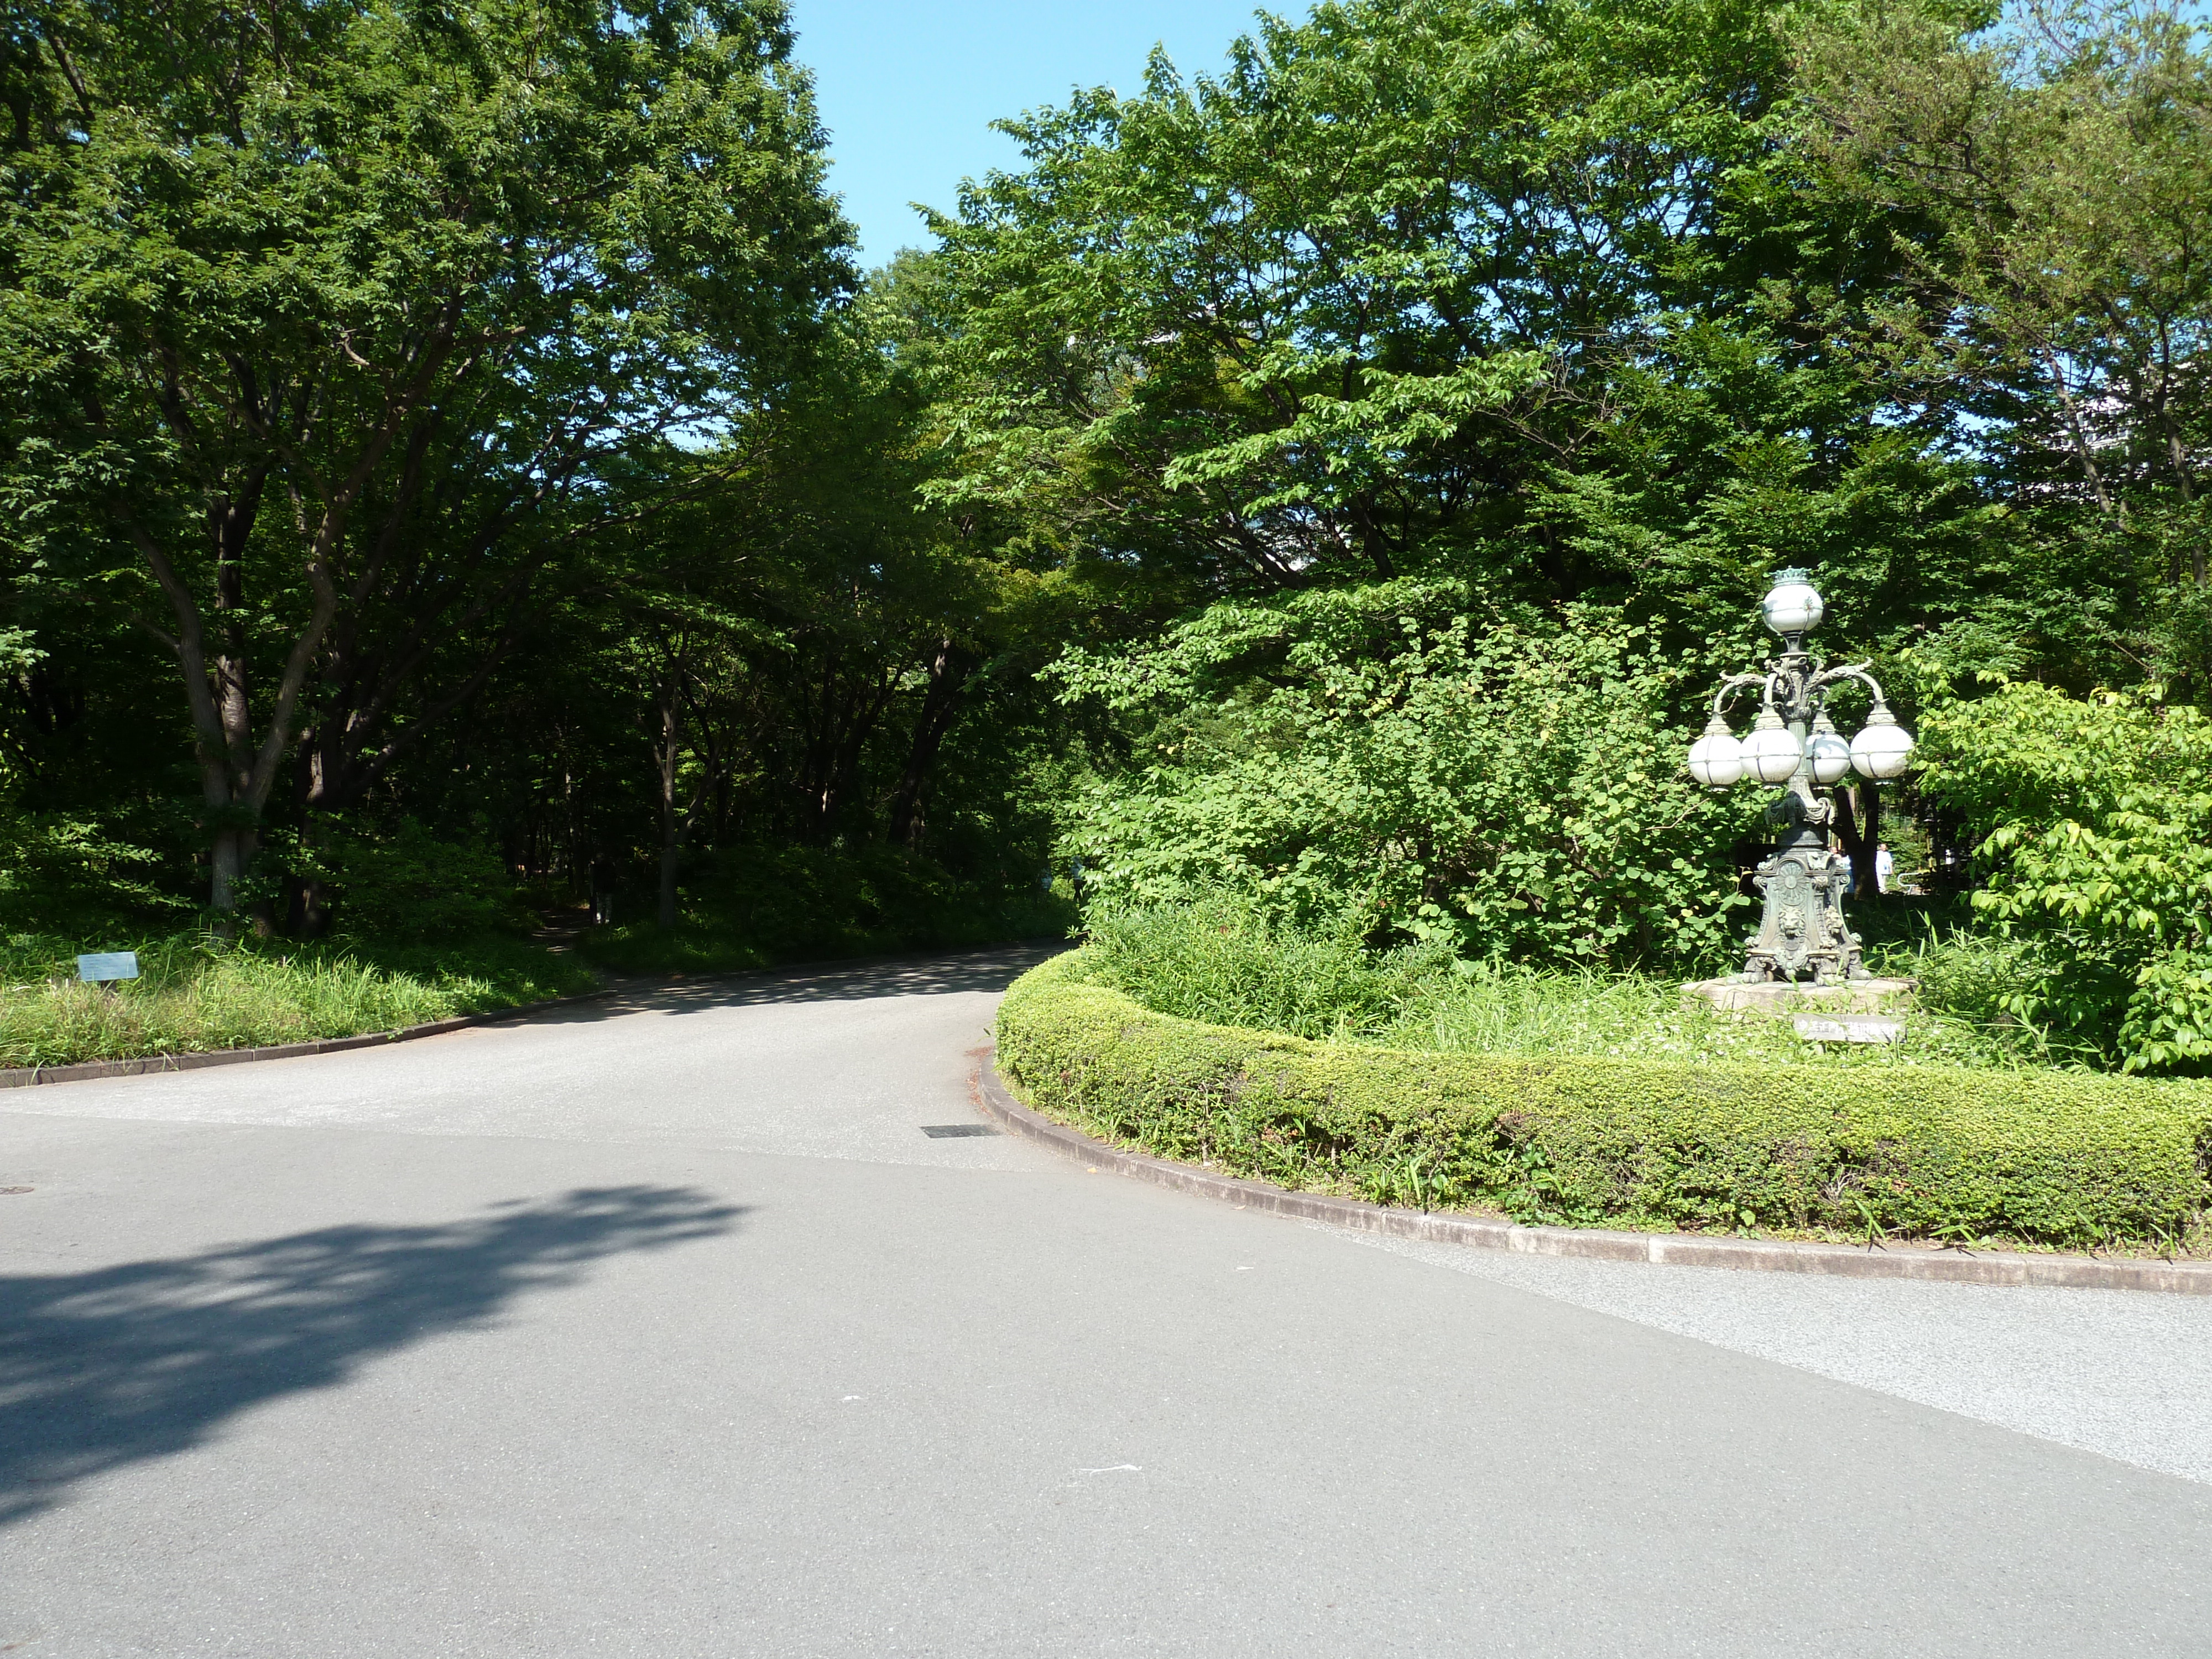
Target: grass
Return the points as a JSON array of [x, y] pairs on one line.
[[195, 994], [1521, 1011], [1216, 963], [690, 947]]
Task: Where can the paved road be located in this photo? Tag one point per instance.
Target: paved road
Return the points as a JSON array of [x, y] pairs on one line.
[[661, 1328]]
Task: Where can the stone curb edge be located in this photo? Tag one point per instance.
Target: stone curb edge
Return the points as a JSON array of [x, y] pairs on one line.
[[1842, 1261], [25, 1077]]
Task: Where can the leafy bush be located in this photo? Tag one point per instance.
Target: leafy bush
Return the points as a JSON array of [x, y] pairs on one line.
[[1379, 763], [411, 884], [1935, 1152], [71, 875], [2096, 822], [1223, 960], [1998, 983], [65, 872]]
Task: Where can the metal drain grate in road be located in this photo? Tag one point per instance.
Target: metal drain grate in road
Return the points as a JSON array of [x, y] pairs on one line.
[[955, 1131]]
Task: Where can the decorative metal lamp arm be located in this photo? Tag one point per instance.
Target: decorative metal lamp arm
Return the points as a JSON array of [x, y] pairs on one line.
[[1736, 682], [1856, 670]]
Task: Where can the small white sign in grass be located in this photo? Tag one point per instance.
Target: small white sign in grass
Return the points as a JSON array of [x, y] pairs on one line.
[[1847, 1029], [103, 965]]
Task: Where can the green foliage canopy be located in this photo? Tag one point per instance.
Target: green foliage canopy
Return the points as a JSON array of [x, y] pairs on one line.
[[407, 271], [1526, 289], [2042, 186]]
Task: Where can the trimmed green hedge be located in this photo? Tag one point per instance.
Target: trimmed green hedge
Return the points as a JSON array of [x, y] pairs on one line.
[[2036, 1157]]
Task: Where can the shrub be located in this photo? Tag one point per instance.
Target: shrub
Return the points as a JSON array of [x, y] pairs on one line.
[[411, 884], [1400, 761], [2036, 1157], [2096, 817], [1998, 984], [1222, 959], [66, 872]]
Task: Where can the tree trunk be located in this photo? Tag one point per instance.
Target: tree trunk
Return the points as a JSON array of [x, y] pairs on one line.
[[2177, 449], [231, 852], [845, 715], [949, 668], [1858, 826], [666, 915], [215, 675], [311, 908], [671, 831], [236, 771]]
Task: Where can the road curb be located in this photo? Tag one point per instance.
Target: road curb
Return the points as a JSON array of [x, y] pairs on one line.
[[26, 1077], [1839, 1261]]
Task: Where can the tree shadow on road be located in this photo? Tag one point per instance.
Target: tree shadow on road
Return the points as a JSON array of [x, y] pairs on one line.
[[101, 1369], [990, 971]]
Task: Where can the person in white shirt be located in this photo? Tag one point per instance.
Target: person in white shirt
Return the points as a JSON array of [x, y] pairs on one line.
[[1885, 867]]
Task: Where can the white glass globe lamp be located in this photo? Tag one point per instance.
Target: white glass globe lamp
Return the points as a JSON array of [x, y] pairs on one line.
[[1771, 753], [1830, 754], [1791, 606], [1882, 747], [1716, 758]]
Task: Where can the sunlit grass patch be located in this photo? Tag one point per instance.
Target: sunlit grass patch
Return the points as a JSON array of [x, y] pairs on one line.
[[1480, 1009], [1219, 962], [196, 992]]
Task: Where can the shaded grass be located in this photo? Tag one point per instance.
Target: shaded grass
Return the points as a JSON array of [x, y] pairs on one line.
[[197, 993], [707, 946], [690, 947]]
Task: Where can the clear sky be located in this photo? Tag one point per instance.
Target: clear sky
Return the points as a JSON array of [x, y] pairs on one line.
[[908, 88]]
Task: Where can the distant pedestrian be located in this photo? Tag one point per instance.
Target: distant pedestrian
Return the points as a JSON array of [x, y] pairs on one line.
[[1885, 867]]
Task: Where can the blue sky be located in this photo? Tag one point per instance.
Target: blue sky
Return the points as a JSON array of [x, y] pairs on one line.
[[908, 90]]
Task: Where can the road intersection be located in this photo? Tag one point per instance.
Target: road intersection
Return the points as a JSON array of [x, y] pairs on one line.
[[661, 1327]]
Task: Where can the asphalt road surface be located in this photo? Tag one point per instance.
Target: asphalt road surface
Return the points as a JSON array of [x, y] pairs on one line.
[[659, 1326]]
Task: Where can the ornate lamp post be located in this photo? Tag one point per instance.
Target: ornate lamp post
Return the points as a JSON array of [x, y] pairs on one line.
[[1793, 743]]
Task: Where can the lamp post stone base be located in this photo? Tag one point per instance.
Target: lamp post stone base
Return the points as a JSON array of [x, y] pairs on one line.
[[1783, 998]]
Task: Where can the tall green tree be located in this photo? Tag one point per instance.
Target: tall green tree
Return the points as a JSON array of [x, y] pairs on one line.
[[1457, 281], [1532, 299], [315, 318], [2043, 185], [789, 643]]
